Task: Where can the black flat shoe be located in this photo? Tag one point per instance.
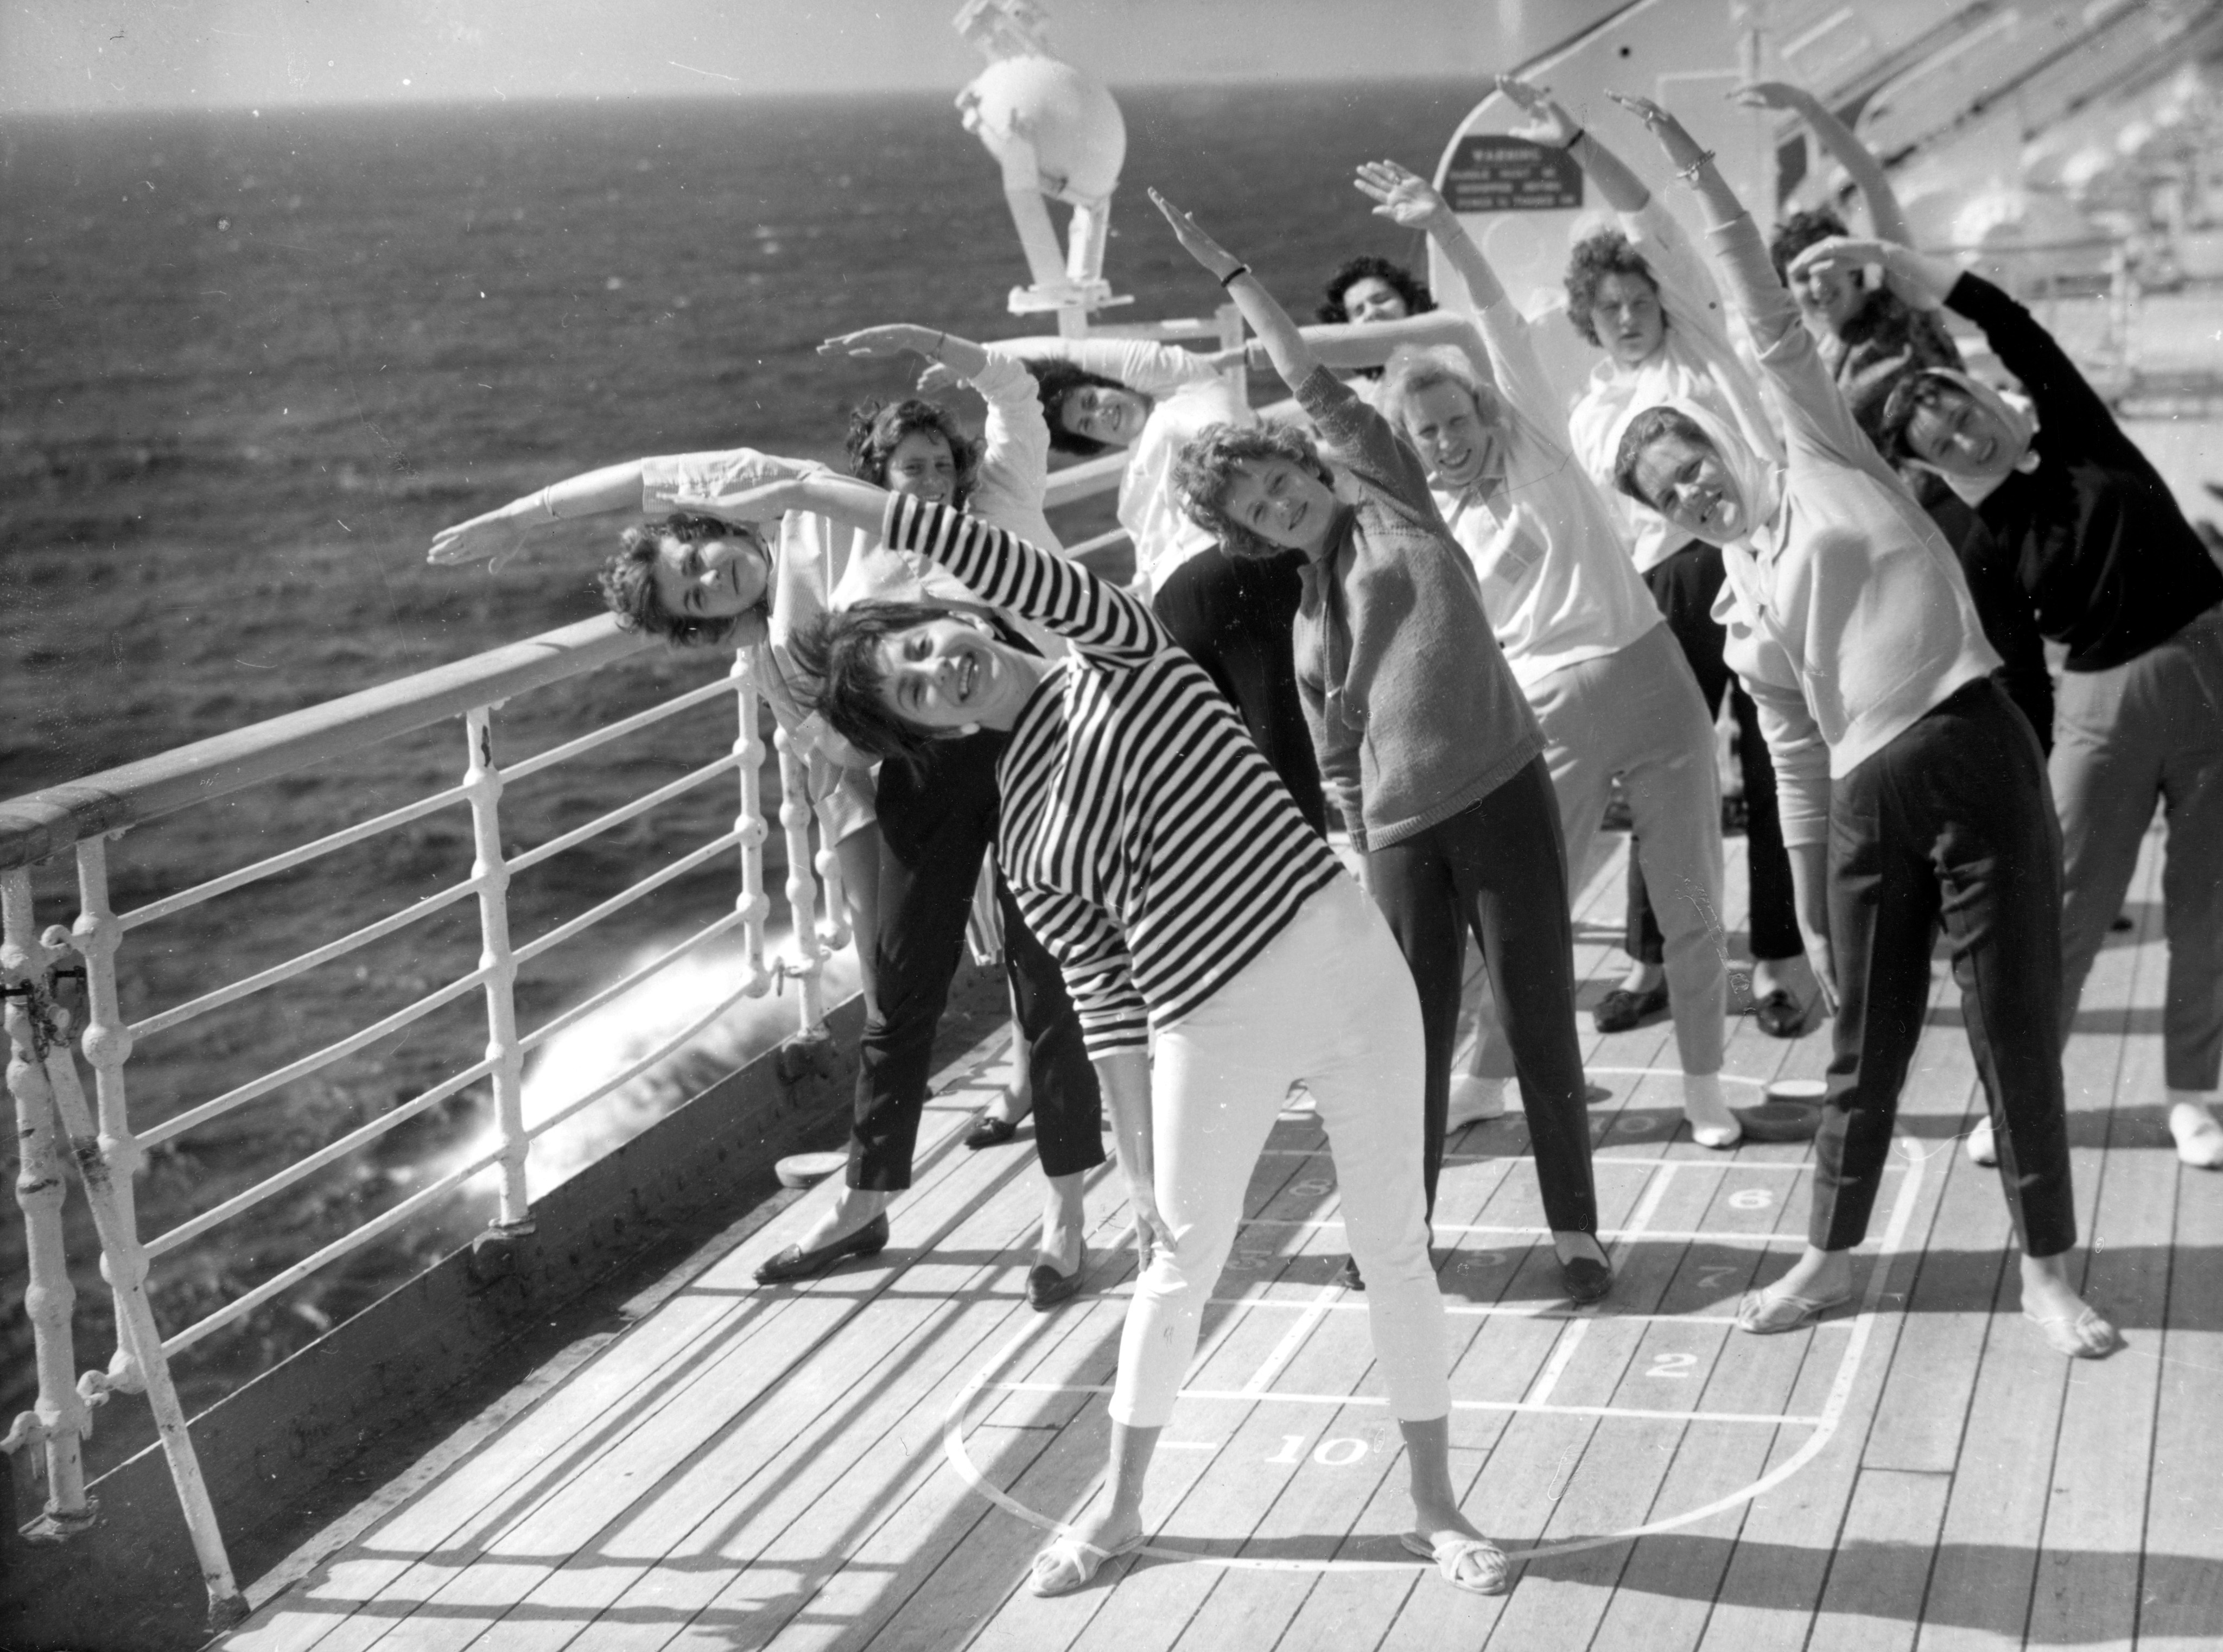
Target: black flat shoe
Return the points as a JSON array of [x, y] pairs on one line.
[[1585, 1279], [991, 1131], [1352, 1279], [1621, 1009], [1047, 1287], [795, 1262], [1781, 1015]]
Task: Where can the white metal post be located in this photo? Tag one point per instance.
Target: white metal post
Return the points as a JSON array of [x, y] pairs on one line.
[[802, 887], [490, 870], [107, 1045], [58, 1424], [749, 825]]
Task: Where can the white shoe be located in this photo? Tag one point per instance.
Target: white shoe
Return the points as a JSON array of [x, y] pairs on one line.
[[2199, 1137], [1979, 1146], [1474, 1099]]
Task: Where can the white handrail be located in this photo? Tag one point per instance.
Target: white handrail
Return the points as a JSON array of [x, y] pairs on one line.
[[82, 815]]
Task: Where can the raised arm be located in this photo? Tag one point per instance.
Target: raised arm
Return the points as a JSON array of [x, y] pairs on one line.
[[1142, 364], [1806, 392], [1002, 569], [1284, 340], [1553, 127], [1885, 217], [637, 485], [960, 356]]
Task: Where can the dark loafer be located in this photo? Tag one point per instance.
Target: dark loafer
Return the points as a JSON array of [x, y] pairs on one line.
[[1781, 1015], [1621, 1009], [991, 1131], [1047, 1287], [796, 1263], [1585, 1279], [1352, 1279]]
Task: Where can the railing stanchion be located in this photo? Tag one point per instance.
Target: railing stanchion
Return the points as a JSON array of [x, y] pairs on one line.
[[107, 1046], [802, 887], [490, 869], [124, 1261], [56, 1428], [754, 904]]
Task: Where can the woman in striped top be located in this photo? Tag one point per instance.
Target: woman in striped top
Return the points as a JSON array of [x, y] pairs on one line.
[[1163, 862]]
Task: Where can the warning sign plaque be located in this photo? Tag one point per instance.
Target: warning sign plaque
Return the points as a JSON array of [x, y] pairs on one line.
[[1494, 173]]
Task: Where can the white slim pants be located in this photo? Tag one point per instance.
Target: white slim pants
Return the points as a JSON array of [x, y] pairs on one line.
[[1330, 1004]]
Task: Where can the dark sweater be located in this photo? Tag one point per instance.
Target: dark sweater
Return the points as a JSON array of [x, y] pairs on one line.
[[2111, 565]]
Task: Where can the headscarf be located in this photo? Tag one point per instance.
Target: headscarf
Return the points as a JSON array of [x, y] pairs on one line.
[[2018, 422], [1759, 481]]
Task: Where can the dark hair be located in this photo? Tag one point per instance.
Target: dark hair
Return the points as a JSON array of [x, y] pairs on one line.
[[1057, 379], [1595, 257], [1797, 233], [1207, 463], [1924, 387], [1645, 429], [876, 429], [1417, 300], [627, 582], [839, 654]]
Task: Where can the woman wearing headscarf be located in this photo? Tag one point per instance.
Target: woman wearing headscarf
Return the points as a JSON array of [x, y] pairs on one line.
[[1913, 793]]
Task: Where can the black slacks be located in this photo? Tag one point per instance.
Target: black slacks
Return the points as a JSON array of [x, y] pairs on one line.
[[1499, 869], [1950, 825], [1235, 616], [937, 818]]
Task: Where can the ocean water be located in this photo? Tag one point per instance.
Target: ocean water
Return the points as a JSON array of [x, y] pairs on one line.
[[253, 362]]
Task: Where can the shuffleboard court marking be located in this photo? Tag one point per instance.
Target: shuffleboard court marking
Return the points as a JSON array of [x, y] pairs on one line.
[[1823, 1426]]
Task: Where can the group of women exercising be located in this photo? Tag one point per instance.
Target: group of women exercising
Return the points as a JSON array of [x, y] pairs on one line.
[[1447, 613]]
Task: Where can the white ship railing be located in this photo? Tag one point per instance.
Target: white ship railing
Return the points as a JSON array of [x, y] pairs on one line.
[[55, 1126]]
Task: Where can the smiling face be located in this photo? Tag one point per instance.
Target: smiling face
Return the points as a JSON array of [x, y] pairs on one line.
[[1282, 502], [922, 466], [1459, 447], [1686, 483], [1627, 316], [1954, 433], [1371, 299], [950, 674], [712, 579], [1826, 297], [1107, 413]]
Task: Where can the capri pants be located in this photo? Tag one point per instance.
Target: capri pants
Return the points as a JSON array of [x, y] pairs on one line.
[[1329, 1004]]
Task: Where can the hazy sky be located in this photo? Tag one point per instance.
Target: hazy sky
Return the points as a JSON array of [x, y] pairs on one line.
[[78, 54]]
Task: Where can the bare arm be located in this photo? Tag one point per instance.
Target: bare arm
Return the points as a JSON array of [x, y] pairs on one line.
[[1885, 217], [498, 535], [1552, 126], [1284, 340], [1405, 198]]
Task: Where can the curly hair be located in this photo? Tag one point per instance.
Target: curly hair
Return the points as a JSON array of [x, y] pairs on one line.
[[1892, 425], [876, 429], [1206, 466], [1056, 379], [1797, 233], [1645, 429], [627, 583], [1417, 300], [839, 654], [1595, 257]]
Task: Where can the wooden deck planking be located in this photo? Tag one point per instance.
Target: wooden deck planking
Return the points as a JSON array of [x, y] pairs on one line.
[[698, 1482]]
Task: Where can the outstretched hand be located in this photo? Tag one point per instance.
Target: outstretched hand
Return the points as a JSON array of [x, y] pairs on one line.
[[938, 375], [1683, 150], [1547, 122], [1839, 252], [1404, 197], [890, 340], [1222, 263], [1771, 94], [494, 536]]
